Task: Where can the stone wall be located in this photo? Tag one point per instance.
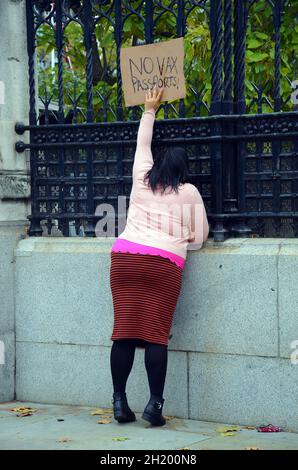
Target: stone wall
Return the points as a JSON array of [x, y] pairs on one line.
[[14, 173], [229, 356]]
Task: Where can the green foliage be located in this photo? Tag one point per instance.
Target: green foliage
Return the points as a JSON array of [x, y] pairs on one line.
[[260, 46]]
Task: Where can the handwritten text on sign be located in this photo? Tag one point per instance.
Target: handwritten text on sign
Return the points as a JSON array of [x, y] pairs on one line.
[[144, 66]]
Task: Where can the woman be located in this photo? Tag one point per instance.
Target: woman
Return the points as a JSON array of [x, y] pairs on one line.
[[147, 261]]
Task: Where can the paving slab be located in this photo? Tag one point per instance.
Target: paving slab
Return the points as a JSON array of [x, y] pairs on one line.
[[74, 427]]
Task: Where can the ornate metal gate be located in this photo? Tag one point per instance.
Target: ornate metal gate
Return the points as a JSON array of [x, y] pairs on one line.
[[244, 161]]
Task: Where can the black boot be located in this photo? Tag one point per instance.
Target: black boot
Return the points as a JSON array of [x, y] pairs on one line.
[[153, 411], [122, 412]]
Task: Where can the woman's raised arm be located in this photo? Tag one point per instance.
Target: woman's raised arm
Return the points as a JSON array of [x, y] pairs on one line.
[[143, 159]]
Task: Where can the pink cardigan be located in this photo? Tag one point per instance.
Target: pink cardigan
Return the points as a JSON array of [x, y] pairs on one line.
[[166, 224]]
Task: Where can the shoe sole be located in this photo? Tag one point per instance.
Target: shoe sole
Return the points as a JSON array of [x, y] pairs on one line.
[[123, 419], [151, 420]]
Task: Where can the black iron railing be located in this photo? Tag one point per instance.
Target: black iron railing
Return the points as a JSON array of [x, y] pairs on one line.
[[245, 165]]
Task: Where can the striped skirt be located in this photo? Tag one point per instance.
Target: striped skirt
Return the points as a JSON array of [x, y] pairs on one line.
[[145, 289]]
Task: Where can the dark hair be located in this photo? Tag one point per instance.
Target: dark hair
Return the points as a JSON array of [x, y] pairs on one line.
[[169, 169]]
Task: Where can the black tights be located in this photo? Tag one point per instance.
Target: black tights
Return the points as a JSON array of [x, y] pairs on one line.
[[122, 357]]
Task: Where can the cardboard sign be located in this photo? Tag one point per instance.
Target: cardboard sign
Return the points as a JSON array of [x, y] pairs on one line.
[[144, 66]]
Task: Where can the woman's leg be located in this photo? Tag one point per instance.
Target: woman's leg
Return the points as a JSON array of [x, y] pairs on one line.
[[156, 360], [121, 361]]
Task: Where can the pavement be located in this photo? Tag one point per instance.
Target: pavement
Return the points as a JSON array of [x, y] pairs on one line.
[[77, 427]]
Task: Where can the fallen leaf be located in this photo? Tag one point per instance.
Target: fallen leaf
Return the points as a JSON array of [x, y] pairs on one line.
[[223, 429], [101, 411], [269, 428], [23, 411], [169, 417], [64, 439], [228, 433], [120, 438], [104, 421]]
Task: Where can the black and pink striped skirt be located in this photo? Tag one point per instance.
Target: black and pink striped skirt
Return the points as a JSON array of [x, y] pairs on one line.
[[145, 290]]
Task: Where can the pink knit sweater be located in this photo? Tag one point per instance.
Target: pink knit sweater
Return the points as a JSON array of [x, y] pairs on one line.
[[166, 224]]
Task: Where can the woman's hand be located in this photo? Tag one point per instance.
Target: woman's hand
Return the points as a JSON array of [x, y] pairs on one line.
[[153, 98]]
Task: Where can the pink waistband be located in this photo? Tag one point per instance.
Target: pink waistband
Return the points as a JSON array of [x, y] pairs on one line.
[[121, 244]]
